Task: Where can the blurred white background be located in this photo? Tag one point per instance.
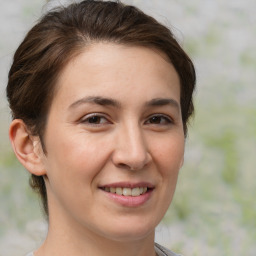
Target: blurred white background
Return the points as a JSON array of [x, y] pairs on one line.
[[214, 210]]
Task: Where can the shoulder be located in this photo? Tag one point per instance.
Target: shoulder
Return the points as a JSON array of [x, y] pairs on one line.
[[162, 251]]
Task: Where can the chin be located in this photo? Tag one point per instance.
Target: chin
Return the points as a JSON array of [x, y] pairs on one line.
[[131, 231]]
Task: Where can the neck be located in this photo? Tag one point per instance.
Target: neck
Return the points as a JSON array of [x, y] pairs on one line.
[[68, 240]]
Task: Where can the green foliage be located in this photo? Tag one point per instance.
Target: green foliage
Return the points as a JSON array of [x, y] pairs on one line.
[[213, 211], [248, 58], [8, 159], [226, 145], [17, 199]]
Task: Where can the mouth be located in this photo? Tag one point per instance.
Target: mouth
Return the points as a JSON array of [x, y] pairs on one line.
[[129, 194], [126, 191]]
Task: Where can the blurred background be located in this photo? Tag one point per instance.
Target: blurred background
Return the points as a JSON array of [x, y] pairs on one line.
[[214, 209]]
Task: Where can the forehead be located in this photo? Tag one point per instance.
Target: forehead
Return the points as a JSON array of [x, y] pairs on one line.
[[106, 68]]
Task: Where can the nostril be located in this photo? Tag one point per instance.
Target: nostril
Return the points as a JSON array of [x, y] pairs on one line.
[[131, 167], [125, 166]]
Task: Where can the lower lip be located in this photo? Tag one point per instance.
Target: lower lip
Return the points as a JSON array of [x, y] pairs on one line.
[[130, 201]]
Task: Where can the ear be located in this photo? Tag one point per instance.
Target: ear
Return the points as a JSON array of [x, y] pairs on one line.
[[27, 148]]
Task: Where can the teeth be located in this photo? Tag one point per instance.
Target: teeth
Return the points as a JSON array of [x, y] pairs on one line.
[[107, 189], [135, 191], [112, 190], [127, 191], [119, 191]]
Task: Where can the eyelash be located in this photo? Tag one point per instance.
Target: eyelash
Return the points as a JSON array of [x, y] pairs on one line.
[[160, 118], [167, 120], [97, 116]]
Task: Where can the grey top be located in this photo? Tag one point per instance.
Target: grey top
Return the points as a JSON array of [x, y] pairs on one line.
[[160, 250]]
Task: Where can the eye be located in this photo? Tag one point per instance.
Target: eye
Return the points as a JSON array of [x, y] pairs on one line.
[[159, 120], [95, 119]]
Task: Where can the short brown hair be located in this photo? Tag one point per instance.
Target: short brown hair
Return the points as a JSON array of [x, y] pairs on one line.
[[63, 33]]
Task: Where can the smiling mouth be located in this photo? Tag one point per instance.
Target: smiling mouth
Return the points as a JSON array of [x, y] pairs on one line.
[[137, 191]]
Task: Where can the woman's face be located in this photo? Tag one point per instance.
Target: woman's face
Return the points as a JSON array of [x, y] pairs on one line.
[[114, 142]]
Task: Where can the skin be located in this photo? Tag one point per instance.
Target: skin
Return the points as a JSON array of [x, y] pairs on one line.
[[136, 135]]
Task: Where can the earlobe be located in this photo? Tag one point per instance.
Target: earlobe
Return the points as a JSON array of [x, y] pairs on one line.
[[26, 147]]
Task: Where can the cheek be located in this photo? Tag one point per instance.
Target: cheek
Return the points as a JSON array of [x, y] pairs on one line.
[[76, 155], [169, 154], [168, 158], [72, 165]]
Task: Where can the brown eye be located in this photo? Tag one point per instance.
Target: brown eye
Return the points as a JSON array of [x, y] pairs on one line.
[[155, 120], [95, 119], [159, 119]]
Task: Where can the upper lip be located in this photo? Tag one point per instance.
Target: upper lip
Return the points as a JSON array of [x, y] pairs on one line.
[[128, 185]]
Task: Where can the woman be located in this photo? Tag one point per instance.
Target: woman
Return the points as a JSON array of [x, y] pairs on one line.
[[101, 95]]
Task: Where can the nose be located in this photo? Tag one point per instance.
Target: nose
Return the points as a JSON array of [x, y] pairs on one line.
[[131, 150]]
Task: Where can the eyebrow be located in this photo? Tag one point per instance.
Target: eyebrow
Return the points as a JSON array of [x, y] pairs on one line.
[[96, 100], [114, 103], [163, 102]]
